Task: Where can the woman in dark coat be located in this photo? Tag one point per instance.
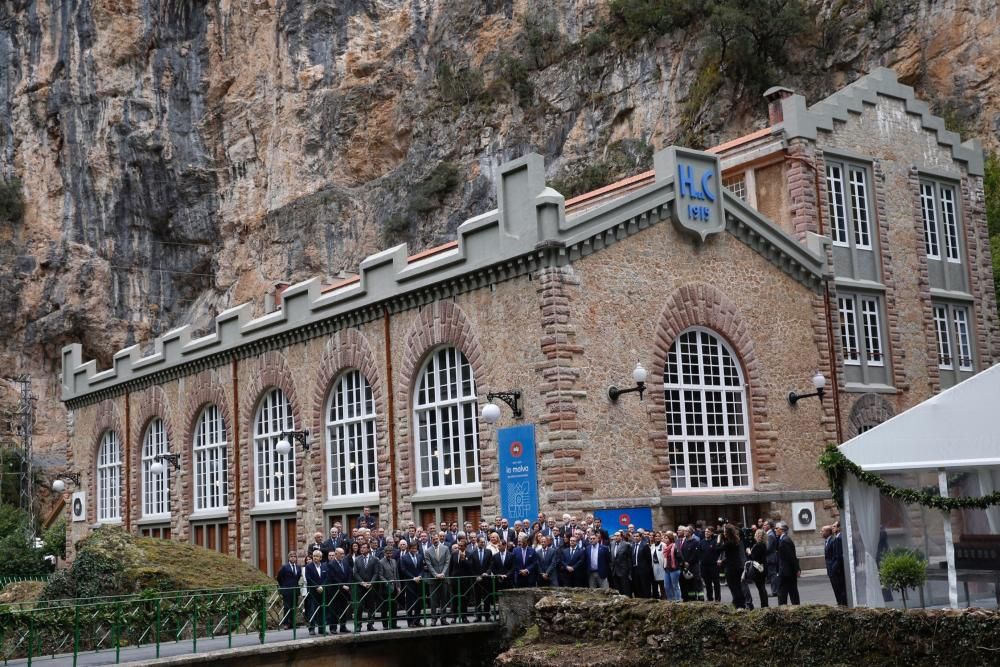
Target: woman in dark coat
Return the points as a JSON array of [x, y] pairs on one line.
[[732, 563], [758, 554]]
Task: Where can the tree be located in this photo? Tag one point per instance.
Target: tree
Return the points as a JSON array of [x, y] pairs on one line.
[[18, 557], [901, 569]]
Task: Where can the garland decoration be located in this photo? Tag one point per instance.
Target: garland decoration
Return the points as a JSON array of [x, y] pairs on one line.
[[836, 466]]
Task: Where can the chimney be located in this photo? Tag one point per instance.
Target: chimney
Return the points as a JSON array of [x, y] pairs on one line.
[[774, 95], [272, 298]]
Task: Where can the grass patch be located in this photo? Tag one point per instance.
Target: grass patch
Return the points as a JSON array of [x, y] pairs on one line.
[[22, 592]]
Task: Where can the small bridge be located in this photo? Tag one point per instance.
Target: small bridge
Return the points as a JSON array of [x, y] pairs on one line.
[[247, 627]]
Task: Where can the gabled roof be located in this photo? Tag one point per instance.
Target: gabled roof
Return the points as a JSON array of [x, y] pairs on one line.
[[530, 228], [955, 429], [802, 122]]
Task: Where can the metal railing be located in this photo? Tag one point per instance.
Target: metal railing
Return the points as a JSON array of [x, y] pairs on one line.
[[72, 627], [15, 580]]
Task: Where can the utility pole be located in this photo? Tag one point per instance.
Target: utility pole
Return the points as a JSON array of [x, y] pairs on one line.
[[24, 423]]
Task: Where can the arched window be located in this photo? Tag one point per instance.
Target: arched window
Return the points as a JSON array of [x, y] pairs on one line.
[[155, 487], [706, 414], [109, 471], [275, 473], [211, 461], [445, 413], [350, 437]]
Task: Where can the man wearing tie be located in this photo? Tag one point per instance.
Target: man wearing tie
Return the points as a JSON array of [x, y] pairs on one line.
[[338, 594], [411, 571], [503, 567], [315, 579], [548, 564], [525, 564], [317, 543], [388, 577], [437, 560], [642, 568], [833, 552], [574, 564], [365, 577], [481, 567], [598, 560], [288, 584], [621, 565]]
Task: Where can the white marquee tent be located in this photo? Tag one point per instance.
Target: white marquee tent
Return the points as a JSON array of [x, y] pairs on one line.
[[951, 444]]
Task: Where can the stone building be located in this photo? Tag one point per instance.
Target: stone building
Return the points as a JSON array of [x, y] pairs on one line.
[[850, 240]]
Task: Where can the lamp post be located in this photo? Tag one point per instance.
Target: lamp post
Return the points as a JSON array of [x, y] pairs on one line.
[[638, 376], [491, 411], [59, 484], [284, 446], [818, 381]]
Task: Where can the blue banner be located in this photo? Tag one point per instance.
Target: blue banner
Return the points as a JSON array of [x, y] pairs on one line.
[[518, 477], [618, 519]]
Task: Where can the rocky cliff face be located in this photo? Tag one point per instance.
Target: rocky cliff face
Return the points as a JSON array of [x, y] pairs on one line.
[[179, 156]]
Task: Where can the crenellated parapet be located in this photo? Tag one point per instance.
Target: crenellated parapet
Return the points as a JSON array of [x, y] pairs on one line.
[[529, 229], [803, 122]]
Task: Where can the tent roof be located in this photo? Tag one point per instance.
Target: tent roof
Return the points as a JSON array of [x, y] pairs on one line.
[[960, 427]]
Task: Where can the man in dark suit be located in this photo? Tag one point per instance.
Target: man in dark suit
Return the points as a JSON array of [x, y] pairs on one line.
[[772, 557], [507, 534], [317, 543], [711, 552], [503, 567], [288, 585], [690, 550], [603, 534], [598, 559], [388, 577], [411, 571], [525, 565], [788, 567], [315, 596], [548, 564], [335, 542], [338, 592], [833, 553], [366, 578], [366, 520], [641, 561], [463, 583], [481, 567], [621, 565], [574, 564]]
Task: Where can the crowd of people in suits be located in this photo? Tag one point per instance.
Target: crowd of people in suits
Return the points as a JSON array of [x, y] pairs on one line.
[[443, 573]]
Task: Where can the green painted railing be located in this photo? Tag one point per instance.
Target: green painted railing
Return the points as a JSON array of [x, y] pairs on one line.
[[14, 580], [72, 627]]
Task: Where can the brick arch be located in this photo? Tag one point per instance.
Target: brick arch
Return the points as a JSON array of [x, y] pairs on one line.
[[147, 405], [269, 370], [442, 323], [868, 411], [701, 305], [349, 349], [199, 396], [108, 418]]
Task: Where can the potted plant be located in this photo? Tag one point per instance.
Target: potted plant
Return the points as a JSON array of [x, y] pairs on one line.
[[901, 569]]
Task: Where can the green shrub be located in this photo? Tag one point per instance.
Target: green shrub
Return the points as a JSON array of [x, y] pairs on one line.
[[425, 197], [515, 73], [634, 20], [18, 556], [11, 201], [624, 158], [55, 539], [901, 569], [463, 85]]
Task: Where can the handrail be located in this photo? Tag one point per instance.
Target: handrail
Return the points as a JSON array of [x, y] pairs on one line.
[[119, 622]]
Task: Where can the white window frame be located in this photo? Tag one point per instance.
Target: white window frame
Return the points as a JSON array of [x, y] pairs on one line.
[[274, 474], [351, 439], [455, 403], [949, 218], [155, 488], [871, 325], [109, 479], [963, 339], [836, 199], [928, 211], [849, 330], [737, 184], [211, 462], [709, 446], [943, 338], [860, 208]]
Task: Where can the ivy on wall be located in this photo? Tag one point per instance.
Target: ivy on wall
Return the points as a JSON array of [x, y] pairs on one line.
[[836, 466]]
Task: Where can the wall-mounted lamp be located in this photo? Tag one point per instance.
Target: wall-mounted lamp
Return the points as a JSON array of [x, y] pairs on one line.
[[173, 459], [284, 446], [491, 411], [59, 484], [819, 381], [639, 376]]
